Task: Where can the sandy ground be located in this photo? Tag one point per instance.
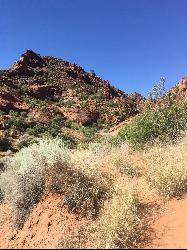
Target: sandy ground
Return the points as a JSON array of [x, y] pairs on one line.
[[170, 229], [45, 227]]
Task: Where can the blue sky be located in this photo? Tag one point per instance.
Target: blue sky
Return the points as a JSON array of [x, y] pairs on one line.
[[131, 43]]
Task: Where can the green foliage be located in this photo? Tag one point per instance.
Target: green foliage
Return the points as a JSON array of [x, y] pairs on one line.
[[89, 133], [52, 130], [35, 103], [16, 120], [67, 123], [84, 96], [36, 130], [69, 103], [163, 124]]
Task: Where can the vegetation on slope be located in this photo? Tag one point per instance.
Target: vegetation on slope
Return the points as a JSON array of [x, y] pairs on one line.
[[164, 124], [99, 183], [36, 89]]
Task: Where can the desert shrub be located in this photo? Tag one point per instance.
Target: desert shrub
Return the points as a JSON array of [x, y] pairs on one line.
[[69, 103], [25, 141], [118, 224], [35, 103], [69, 141], [126, 167], [23, 183], [36, 130], [16, 121], [168, 168], [163, 124], [117, 227], [5, 144], [47, 167]]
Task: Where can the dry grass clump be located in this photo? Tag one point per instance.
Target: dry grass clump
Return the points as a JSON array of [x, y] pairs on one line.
[[118, 225], [105, 163], [168, 168]]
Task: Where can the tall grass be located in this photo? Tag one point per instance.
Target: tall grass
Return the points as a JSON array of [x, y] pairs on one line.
[[167, 170]]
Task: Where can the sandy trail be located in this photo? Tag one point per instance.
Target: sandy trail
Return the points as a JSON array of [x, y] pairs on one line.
[[170, 229]]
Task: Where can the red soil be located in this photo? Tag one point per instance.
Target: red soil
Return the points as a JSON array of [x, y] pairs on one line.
[[170, 229], [48, 224], [45, 227]]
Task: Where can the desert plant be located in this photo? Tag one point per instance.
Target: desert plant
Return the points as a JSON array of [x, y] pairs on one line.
[[23, 182], [167, 168], [117, 227], [47, 166], [5, 144], [126, 167], [164, 124]]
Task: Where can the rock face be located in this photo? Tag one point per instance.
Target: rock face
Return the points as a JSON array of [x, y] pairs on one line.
[[42, 91], [183, 83], [138, 99]]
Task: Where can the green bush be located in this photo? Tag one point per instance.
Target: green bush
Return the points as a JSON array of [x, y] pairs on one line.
[[163, 124], [16, 120]]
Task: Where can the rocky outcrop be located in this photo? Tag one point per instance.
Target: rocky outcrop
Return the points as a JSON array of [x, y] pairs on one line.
[[42, 91], [28, 61], [176, 94], [81, 117]]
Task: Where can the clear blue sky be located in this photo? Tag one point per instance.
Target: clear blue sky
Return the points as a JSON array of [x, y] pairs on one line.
[[131, 43]]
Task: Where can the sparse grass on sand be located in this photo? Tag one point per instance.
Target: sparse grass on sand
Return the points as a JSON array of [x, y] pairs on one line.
[[100, 183]]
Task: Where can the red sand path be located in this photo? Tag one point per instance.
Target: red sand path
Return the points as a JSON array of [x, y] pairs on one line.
[[170, 229]]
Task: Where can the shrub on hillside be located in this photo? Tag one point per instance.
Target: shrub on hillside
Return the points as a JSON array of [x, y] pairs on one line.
[[164, 124]]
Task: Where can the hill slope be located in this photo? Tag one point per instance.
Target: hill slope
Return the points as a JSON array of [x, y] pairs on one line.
[[39, 93]]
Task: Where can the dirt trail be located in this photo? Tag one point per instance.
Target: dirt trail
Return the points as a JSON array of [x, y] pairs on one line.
[[170, 229], [48, 224]]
